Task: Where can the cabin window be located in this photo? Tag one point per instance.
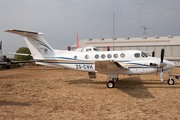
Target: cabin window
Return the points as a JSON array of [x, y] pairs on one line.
[[122, 55], [88, 50], [103, 56], [109, 56], [115, 55], [96, 56], [87, 56], [136, 55], [75, 57]]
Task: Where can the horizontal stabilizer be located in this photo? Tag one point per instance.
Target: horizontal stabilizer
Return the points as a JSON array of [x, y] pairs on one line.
[[36, 43], [23, 33], [27, 61], [2, 63], [19, 54]]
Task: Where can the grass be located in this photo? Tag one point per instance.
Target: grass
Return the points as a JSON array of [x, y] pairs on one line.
[[52, 93]]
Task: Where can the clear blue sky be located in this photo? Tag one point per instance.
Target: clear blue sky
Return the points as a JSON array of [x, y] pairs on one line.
[[60, 20]]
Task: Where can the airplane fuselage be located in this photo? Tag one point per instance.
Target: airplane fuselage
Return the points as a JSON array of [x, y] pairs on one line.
[[136, 61]]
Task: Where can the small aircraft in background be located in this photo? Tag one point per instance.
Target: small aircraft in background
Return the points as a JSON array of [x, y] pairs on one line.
[[7, 61], [111, 63]]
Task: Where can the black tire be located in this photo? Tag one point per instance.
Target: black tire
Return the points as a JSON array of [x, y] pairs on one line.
[[7, 66], [170, 82], [110, 84], [115, 79]]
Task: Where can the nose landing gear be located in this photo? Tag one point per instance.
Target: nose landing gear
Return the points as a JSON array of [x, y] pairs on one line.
[[171, 81]]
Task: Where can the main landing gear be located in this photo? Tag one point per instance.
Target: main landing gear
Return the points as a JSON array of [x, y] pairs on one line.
[[110, 82]]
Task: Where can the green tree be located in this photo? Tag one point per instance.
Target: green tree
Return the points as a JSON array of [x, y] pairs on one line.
[[24, 50]]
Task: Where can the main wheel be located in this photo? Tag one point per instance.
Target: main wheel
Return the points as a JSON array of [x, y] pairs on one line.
[[110, 84], [170, 81], [7, 66], [115, 79]]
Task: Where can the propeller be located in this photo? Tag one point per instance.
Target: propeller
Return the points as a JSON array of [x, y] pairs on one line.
[[162, 55], [162, 65], [153, 54]]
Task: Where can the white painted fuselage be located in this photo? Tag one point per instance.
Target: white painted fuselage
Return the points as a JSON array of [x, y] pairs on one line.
[[134, 60]]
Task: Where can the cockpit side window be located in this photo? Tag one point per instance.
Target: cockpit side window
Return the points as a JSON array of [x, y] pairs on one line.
[[136, 55], [88, 50], [144, 54]]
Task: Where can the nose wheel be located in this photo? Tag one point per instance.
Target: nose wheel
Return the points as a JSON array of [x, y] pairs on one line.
[[170, 81]]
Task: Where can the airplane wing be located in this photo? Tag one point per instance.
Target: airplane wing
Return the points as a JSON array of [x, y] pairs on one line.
[[108, 66], [2, 63], [28, 61]]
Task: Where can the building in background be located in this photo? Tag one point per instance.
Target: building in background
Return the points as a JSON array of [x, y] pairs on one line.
[[171, 45]]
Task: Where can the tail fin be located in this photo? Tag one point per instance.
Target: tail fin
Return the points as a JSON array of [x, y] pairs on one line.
[[78, 46], [37, 44]]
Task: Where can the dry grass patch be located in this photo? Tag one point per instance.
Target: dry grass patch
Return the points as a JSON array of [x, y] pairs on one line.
[[53, 93]]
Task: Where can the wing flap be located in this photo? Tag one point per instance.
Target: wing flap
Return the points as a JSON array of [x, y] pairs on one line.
[[105, 66]]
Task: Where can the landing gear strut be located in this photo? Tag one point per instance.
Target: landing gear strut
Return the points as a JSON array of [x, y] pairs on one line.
[[115, 79], [111, 79]]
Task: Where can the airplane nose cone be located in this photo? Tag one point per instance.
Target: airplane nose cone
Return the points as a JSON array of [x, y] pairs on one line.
[[171, 65]]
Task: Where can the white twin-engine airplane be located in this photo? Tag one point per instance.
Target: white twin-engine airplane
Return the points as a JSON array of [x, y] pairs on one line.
[[111, 63]]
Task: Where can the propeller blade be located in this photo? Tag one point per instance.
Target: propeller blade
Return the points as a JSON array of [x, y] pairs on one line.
[[161, 75], [162, 55], [153, 54]]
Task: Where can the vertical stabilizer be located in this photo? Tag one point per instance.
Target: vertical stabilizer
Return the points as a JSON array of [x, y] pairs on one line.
[[37, 44], [78, 46]]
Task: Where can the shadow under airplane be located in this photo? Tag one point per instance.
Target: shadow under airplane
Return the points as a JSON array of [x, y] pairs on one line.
[[13, 103], [132, 86]]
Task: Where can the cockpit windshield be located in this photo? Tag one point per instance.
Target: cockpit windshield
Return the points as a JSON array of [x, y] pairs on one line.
[[144, 54]]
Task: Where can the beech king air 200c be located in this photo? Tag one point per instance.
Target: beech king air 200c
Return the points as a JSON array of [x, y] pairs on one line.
[[111, 63]]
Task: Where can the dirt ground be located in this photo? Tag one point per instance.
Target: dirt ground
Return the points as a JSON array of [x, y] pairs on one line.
[[53, 93]]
